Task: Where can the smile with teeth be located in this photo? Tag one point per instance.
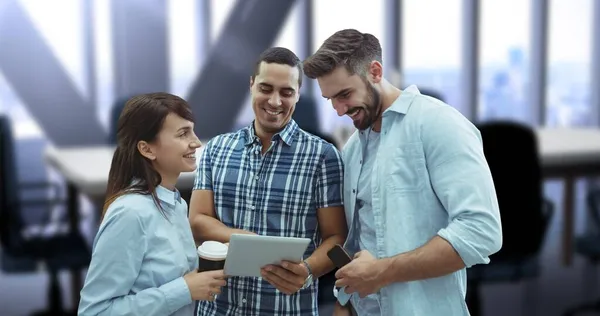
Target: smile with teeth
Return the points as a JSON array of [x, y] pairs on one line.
[[353, 113], [273, 112], [192, 156]]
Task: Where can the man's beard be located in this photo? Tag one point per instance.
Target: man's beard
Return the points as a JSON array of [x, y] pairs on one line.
[[371, 109]]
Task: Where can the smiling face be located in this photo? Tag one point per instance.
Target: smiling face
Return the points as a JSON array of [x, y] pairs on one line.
[[174, 149], [274, 93], [352, 95]]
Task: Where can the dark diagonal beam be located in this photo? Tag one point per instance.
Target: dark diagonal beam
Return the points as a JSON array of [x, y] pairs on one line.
[[41, 82], [218, 93]]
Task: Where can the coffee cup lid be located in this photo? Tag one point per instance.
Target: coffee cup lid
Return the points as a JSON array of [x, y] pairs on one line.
[[213, 250]]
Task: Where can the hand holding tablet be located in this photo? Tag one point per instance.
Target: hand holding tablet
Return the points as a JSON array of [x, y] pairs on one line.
[[248, 254]]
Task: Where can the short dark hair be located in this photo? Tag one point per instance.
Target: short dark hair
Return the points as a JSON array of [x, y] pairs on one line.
[[282, 56], [350, 48]]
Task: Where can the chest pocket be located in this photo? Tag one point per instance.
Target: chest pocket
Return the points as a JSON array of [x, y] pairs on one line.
[[406, 170]]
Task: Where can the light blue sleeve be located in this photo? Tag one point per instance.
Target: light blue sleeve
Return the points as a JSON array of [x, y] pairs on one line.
[[116, 261], [463, 182]]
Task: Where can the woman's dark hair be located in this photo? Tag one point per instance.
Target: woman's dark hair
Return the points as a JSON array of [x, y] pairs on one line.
[[142, 119]]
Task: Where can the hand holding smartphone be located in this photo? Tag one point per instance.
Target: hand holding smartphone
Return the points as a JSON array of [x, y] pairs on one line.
[[339, 256]]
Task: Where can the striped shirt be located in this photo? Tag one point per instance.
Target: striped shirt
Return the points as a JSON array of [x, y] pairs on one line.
[[275, 194]]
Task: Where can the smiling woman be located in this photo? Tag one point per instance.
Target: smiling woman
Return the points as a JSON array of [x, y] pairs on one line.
[[144, 256]]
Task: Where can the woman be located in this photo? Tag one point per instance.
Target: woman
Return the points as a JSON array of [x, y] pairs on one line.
[[144, 257]]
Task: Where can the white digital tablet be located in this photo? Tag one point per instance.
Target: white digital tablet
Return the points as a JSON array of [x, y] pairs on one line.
[[247, 254]]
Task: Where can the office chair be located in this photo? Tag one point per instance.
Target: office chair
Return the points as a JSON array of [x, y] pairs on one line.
[[432, 93], [115, 113], [588, 245], [512, 154], [21, 254]]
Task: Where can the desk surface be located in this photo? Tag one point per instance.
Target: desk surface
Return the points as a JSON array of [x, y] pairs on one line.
[[88, 167], [560, 147]]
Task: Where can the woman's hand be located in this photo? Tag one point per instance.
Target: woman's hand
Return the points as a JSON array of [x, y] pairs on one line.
[[205, 286]]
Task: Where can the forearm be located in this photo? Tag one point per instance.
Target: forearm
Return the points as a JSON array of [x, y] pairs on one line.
[[435, 259], [319, 262], [207, 227]]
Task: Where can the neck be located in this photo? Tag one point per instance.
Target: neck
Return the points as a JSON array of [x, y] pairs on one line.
[[389, 94], [169, 181]]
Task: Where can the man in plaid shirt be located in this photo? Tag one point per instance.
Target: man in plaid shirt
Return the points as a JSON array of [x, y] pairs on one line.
[[271, 178]]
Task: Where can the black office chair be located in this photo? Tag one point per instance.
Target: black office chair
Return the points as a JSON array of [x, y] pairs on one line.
[[588, 245], [115, 113], [20, 254], [432, 93], [512, 153], [306, 114]]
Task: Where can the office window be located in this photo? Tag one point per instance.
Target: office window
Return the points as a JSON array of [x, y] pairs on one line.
[[334, 15], [59, 24], [182, 20], [105, 80], [568, 89], [504, 53], [431, 48]]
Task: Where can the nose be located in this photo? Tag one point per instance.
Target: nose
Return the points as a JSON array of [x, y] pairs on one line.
[[339, 107], [196, 143], [275, 100]]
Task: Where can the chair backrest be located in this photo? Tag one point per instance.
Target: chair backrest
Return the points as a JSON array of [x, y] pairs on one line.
[[306, 115], [10, 221], [593, 200], [115, 113], [511, 151]]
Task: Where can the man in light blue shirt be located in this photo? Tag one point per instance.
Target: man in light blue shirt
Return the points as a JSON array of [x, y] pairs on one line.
[[418, 193]]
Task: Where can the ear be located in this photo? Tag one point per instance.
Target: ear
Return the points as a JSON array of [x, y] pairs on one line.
[[251, 82], [375, 71], [146, 150]]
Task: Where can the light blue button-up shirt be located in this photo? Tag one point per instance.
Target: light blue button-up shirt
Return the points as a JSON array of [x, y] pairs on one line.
[[430, 177], [140, 257]]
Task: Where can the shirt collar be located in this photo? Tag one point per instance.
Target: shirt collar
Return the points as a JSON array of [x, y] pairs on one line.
[[286, 134], [403, 102], [168, 196]]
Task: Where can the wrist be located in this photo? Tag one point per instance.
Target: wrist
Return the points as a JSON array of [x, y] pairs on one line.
[[387, 274]]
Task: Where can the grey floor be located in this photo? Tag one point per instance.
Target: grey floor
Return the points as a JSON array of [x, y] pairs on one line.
[[557, 289]]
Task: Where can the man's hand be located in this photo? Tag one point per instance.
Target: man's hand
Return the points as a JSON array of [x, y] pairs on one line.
[[362, 275], [287, 278]]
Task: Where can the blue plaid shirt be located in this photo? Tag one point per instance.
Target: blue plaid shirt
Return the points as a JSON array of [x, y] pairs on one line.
[[275, 194]]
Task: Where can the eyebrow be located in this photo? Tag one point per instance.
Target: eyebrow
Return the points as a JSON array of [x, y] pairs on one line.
[[337, 94], [271, 86]]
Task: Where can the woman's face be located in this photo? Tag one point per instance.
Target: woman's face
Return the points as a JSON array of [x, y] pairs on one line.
[[175, 147]]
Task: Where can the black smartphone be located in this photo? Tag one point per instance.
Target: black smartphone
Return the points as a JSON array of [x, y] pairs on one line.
[[339, 256]]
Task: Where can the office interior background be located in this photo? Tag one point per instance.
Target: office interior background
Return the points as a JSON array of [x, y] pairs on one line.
[[65, 64]]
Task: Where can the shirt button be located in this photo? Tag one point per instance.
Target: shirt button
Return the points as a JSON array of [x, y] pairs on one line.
[[244, 300], [360, 162], [353, 190], [252, 207]]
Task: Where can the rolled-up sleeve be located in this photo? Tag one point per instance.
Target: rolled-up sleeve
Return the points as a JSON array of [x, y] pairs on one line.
[[330, 179], [203, 180], [116, 261], [463, 183]]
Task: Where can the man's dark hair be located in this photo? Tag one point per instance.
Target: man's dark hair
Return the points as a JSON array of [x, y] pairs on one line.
[[349, 48], [282, 56]]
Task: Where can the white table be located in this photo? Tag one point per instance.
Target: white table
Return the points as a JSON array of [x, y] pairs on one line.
[[87, 168], [566, 154]]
